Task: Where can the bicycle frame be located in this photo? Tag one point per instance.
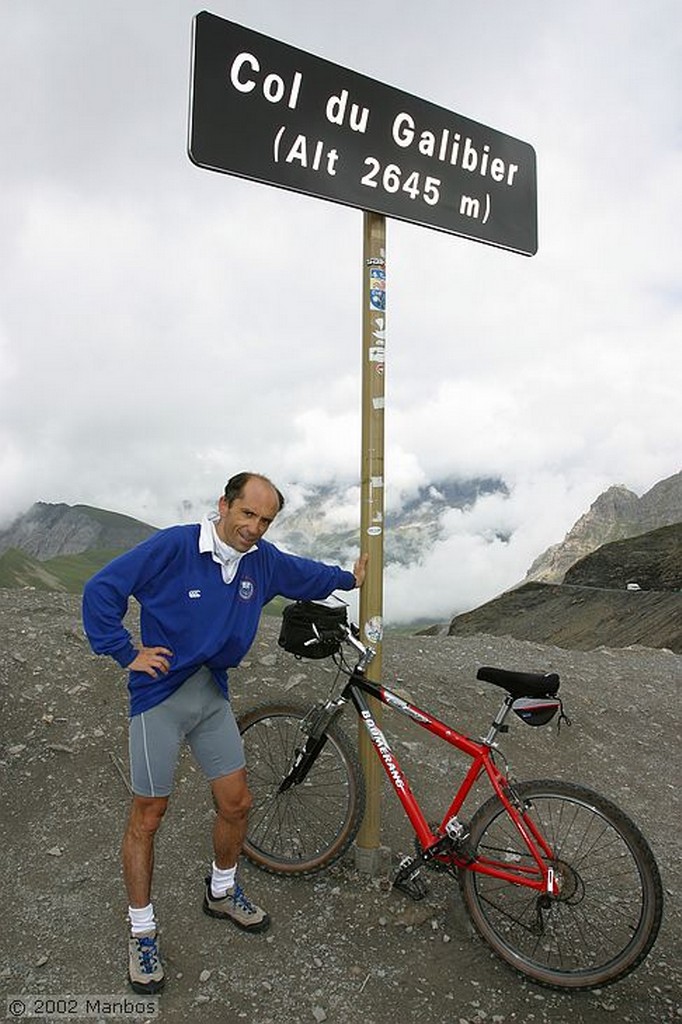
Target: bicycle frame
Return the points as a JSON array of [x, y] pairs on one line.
[[540, 877]]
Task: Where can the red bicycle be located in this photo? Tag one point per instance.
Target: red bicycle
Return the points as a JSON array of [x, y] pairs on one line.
[[557, 880]]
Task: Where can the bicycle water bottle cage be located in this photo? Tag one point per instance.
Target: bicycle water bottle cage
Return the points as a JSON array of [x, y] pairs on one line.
[[312, 630]]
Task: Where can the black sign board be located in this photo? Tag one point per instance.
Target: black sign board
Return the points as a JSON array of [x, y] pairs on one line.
[[264, 110]]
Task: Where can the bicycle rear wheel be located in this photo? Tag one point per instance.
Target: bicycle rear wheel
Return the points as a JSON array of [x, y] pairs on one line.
[[607, 914], [311, 824]]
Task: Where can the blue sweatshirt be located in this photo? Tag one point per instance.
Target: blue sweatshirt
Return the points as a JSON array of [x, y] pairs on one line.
[[186, 606]]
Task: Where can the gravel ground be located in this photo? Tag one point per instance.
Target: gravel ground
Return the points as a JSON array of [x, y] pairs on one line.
[[343, 946]]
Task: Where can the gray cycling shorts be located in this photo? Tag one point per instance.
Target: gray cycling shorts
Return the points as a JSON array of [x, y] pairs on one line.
[[197, 712]]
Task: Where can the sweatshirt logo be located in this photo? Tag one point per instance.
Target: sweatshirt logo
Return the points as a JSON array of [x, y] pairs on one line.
[[247, 589], [194, 593]]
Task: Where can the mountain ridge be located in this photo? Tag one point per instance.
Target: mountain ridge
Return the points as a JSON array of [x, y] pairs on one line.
[[313, 525], [616, 514], [48, 530], [647, 561], [57, 547]]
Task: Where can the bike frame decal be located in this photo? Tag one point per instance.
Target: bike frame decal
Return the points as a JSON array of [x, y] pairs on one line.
[[384, 751]]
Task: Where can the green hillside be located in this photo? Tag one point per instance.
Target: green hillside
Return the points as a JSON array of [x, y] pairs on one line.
[[66, 572], [20, 570]]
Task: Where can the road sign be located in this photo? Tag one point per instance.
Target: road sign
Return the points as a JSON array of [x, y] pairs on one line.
[[264, 110]]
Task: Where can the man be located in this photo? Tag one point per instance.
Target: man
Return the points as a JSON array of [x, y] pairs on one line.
[[201, 589]]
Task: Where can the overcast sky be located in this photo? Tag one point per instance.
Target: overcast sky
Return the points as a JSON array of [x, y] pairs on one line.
[[162, 326]]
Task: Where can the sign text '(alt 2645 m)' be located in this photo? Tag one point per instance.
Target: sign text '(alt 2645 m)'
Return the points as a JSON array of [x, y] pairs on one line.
[[445, 147]]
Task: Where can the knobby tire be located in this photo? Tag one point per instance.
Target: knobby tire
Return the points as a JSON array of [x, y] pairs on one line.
[[608, 912], [310, 825]]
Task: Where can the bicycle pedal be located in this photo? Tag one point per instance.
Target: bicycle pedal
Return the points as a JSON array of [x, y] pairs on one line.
[[416, 888], [410, 881]]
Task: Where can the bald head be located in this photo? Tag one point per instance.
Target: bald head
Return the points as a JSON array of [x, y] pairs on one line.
[[247, 510]]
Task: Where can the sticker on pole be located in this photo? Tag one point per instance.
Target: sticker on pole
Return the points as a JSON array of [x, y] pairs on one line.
[[374, 629]]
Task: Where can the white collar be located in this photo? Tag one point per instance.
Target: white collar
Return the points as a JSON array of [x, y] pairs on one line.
[[227, 557]]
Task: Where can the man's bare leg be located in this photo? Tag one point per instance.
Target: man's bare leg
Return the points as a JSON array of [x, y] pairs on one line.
[[232, 802], [144, 819]]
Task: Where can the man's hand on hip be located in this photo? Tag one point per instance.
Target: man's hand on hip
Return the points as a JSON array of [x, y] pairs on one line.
[[152, 661]]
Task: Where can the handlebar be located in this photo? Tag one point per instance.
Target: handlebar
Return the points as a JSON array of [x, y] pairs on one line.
[[351, 636], [347, 633]]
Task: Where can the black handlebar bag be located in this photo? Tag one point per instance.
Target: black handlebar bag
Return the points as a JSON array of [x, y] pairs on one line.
[[312, 630]]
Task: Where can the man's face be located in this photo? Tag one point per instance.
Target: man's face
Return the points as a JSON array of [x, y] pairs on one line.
[[244, 522]]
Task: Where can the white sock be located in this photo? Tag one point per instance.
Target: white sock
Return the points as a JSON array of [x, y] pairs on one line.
[[221, 880], [142, 919]]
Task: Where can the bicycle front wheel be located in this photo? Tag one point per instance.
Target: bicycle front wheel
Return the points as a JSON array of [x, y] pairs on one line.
[[311, 824], [608, 910]]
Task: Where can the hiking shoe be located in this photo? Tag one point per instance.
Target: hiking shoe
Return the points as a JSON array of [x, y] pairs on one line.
[[144, 964], [236, 906]]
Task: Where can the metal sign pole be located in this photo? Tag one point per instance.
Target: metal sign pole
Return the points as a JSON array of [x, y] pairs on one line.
[[372, 511], [266, 111]]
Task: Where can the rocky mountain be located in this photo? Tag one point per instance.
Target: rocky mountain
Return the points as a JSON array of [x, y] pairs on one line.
[[649, 561], [57, 547], [46, 531], [325, 524], [625, 593], [617, 514]]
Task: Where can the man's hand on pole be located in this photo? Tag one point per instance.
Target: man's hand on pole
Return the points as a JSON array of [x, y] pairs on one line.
[[359, 569]]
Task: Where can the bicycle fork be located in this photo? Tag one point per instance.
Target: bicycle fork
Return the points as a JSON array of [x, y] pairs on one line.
[[320, 719]]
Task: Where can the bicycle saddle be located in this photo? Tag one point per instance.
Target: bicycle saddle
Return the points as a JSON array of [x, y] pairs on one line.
[[521, 684]]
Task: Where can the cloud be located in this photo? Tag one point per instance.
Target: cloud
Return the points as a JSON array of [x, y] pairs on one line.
[[483, 550]]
